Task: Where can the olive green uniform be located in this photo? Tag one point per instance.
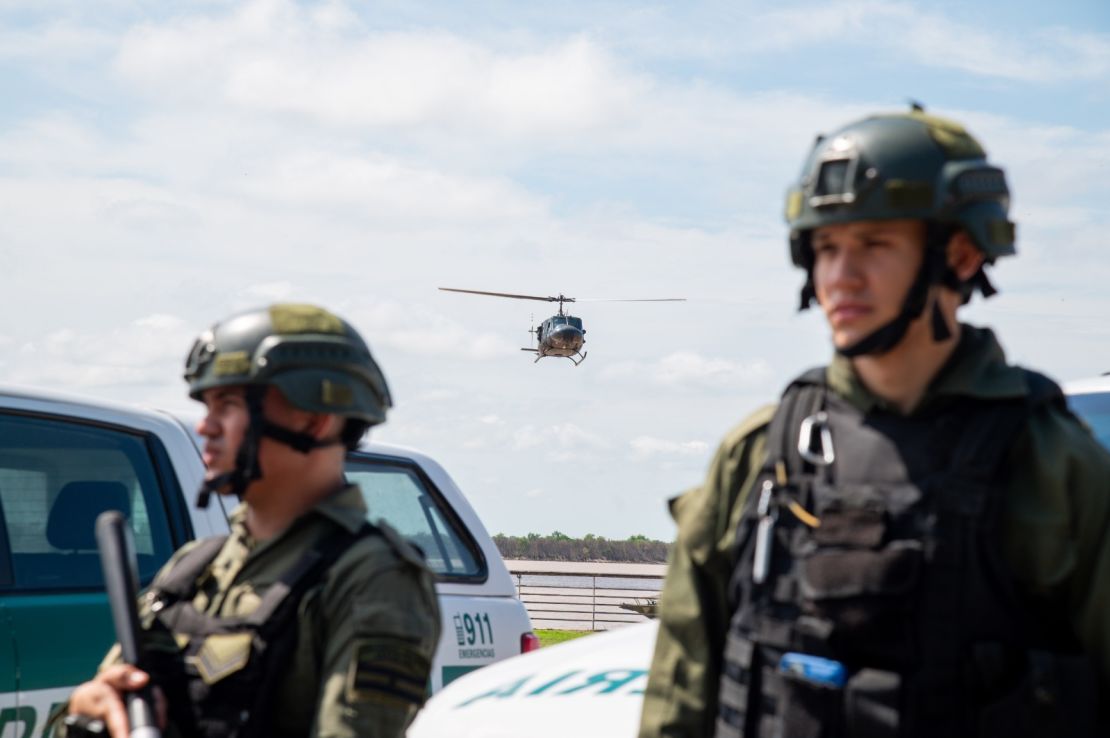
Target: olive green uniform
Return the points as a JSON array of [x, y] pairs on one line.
[[1056, 532], [376, 606]]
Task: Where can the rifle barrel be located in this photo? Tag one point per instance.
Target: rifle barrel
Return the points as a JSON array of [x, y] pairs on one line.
[[121, 574]]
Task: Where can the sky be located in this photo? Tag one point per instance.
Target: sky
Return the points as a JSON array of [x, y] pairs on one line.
[[163, 165]]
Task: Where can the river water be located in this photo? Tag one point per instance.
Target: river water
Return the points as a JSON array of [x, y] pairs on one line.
[[574, 580], [587, 574]]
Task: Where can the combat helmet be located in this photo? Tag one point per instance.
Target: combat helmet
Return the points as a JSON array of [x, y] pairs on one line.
[[903, 165], [317, 360]]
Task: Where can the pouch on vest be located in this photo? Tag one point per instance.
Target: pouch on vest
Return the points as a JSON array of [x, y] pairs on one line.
[[810, 708], [871, 708], [853, 573], [811, 694]]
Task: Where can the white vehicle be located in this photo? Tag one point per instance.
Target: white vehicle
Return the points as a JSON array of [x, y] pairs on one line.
[[591, 687], [1090, 399], [63, 460]]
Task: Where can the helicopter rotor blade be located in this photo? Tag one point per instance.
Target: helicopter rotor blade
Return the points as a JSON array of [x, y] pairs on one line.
[[619, 299], [560, 298]]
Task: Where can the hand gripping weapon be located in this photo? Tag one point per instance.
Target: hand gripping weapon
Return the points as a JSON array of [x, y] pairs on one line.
[[117, 558]]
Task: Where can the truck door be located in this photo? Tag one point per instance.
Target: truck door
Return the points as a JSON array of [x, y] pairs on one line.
[[56, 476], [9, 667]]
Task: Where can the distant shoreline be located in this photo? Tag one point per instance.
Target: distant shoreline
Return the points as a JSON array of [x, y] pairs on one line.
[[561, 548]]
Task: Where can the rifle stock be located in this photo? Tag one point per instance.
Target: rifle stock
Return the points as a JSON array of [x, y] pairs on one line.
[[117, 558]]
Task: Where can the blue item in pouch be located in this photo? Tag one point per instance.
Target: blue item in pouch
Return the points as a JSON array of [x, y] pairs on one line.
[[814, 669]]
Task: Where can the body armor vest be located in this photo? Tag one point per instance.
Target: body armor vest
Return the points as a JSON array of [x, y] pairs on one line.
[[869, 597], [224, 669]]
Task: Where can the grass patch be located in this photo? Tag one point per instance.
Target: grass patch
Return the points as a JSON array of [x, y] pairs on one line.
[[551, 637]]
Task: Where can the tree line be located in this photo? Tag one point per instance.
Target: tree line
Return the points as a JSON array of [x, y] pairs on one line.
[[561, 547]]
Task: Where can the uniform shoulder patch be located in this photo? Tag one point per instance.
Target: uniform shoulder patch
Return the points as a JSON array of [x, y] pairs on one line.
[[221, 655], [388, 671]]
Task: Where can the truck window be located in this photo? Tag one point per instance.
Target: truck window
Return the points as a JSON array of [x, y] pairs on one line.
[[1094, 407], [396, 492], [56, 476]]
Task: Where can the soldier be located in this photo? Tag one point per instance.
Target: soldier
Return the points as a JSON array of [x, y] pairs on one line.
[[306, 620], [916, 541]]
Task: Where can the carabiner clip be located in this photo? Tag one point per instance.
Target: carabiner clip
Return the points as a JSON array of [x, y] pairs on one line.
[[767, 512], [816, 428]]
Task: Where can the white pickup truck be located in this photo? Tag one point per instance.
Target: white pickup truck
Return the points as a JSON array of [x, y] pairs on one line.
[[63, 460]]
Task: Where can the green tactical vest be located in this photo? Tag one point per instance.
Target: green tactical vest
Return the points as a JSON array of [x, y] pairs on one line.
[[869, 597], [226, 668]]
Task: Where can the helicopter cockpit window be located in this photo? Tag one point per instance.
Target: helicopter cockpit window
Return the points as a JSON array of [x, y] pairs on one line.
[[558, 320], [398, 493], [576, 322]]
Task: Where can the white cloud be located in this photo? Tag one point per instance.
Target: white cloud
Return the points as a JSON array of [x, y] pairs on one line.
[[437, 395], [146, 352], [385, 187], [54, 43], [647, 446], [689, 369], [486, 106], [560, 437], [161, 322], [423, 332], [277, 57], [933, 39], [271, 291]]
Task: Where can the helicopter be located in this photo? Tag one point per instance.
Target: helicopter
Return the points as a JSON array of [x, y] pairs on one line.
[[562, 334]]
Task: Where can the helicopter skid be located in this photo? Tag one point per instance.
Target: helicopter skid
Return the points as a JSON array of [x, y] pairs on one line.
[[543, 354], [576, 362]]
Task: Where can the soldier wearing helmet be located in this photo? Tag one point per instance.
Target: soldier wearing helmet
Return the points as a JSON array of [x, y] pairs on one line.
[[306, 620], [915, 540]]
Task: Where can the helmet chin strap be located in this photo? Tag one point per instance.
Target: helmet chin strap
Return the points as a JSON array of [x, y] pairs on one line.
[[886, 337], [933, 270], [302, 442], [247, 468]]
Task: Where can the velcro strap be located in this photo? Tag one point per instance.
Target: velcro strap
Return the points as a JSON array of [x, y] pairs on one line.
[[734, 695], [726, 728], [738, 651]]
